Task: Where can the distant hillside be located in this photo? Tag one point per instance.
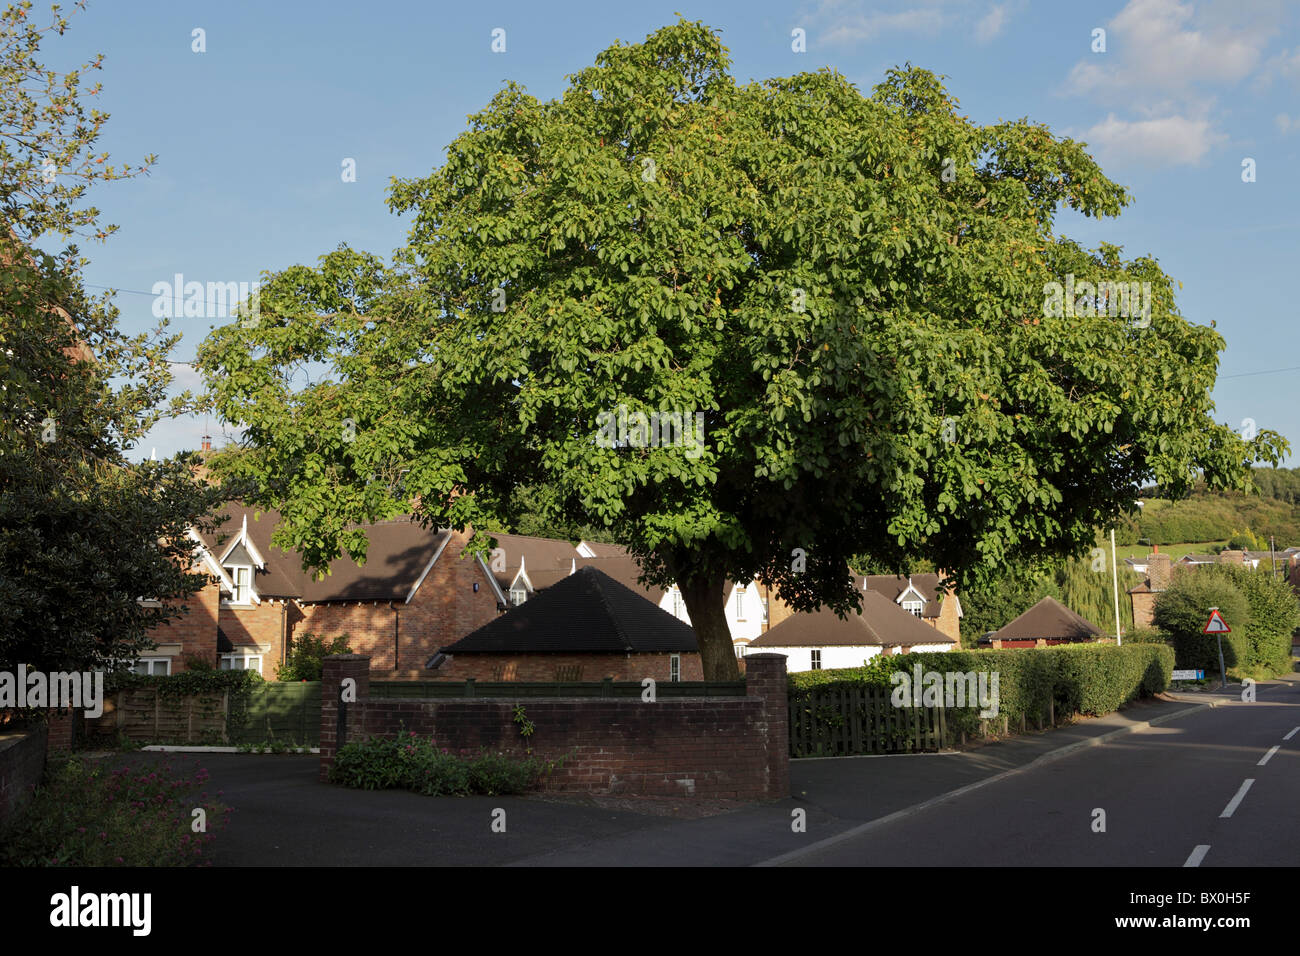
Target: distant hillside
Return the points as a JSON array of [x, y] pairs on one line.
[[1243, 520]]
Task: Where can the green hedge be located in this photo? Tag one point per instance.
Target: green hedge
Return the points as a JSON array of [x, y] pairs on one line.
[[1084, 678]]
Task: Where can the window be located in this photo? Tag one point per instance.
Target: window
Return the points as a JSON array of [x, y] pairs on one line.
[[518, 596], [740, 650], [242, 576], [156, 666], [241, 662], [764, 610], [675, 667], [913, 607], [677, 604], [817, 659], [740, 604]]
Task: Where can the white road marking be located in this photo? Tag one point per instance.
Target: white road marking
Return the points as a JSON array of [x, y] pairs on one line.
[[1236, 801], [1292, 734], [1264, 759], [1197, 855]]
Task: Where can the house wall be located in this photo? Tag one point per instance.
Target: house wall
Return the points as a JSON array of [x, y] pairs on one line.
[[1144, 605], [712, 748], [262, 624], [800, 658], [542, 667], [445, 608], [195, 630], [947, 623]]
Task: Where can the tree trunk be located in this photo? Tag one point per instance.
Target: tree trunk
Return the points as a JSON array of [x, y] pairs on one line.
[[706, 604]]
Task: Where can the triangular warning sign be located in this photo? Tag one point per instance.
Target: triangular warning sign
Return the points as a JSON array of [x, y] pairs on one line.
[[1216, 624]]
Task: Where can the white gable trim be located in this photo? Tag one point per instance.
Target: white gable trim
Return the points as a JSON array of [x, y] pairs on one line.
[[213, 564], [248, 546], [911, 589], [585, 550], [428, 567], [492, 579]]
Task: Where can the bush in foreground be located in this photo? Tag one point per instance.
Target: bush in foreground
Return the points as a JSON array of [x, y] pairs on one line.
[[136, 815], [411, 762]]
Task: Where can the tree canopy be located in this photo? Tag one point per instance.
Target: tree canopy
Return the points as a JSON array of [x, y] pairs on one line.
[[83, 533], [849, 292]]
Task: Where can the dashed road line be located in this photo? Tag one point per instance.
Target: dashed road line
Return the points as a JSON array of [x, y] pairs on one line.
[[1264, 759], [1292, 734], [1236, 801], [1197, 855]]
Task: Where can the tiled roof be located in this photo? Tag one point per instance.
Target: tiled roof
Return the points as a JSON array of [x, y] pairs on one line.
[[893, 585], [1048, 619], [880, 623], [586, 612]]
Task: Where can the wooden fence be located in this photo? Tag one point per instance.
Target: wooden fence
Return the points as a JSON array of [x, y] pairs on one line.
[[842, 721], [288, 713], [605, 688]]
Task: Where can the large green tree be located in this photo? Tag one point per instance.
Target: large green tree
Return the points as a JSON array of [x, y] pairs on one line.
[[83, 532], [849, 290]]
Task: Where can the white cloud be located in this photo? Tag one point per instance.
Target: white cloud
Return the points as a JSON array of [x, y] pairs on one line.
[[1163, 49], [991, 23], [856, 26], [1286, 124], [1167, 141]]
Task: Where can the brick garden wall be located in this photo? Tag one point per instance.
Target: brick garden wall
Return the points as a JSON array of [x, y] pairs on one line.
[[22, 760], [544, 667], [718, 748]]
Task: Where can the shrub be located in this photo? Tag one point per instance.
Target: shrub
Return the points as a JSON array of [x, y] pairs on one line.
[[411, 762], [306, 658], [1084, 678], [1183, 609], [136, 815]]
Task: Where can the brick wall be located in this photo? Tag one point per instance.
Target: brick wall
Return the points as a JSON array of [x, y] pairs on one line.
[[544, 667], [719, 748], [1144, 604], [22, 760], [195, 629], [445, 608]]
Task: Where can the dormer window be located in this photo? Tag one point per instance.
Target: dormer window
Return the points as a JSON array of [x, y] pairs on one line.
[[914, 607], [241, 575], [518, 596]]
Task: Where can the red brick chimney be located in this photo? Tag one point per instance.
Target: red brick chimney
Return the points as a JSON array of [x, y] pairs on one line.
[[1158, 571], [207, 443]]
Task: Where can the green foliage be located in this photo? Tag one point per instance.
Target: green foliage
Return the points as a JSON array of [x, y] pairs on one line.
[[1274, 617], [410, 762], [1184, 607], [306, 658], [864, 338], [526, 726], [83, 532], [137, 815], [1085, 678], [1241, 520]]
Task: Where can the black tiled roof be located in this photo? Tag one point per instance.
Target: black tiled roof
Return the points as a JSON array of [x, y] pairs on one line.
[[586, 612]]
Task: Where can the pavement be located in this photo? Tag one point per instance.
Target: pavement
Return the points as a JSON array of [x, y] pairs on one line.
[[282, 816]]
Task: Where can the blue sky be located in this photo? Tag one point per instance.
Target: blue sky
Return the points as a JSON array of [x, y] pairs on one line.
[[252, 133]]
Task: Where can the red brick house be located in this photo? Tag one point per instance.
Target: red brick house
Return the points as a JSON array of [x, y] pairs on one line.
[[416, 591]]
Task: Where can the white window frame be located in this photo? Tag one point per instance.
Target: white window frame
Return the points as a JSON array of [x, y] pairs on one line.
[[816, 655], [228, 659], [518, 596], [740, 604], [151, 663], [677, 603], [236, 598], [674, 668], [914, 608]]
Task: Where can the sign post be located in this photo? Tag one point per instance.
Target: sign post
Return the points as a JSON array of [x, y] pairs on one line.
[[1217, 626]]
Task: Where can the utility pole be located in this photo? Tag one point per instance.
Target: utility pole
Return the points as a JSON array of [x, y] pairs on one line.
[[1272, 553]]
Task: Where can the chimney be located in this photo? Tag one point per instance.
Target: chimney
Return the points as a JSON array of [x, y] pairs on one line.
[[1155, 549], [1158, 571], [1232, 557], [207, 443]]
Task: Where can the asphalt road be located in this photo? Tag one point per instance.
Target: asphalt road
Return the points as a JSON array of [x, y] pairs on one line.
[[1172, 795]]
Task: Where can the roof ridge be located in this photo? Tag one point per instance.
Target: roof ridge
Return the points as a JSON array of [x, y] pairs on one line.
[[605, 603]]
